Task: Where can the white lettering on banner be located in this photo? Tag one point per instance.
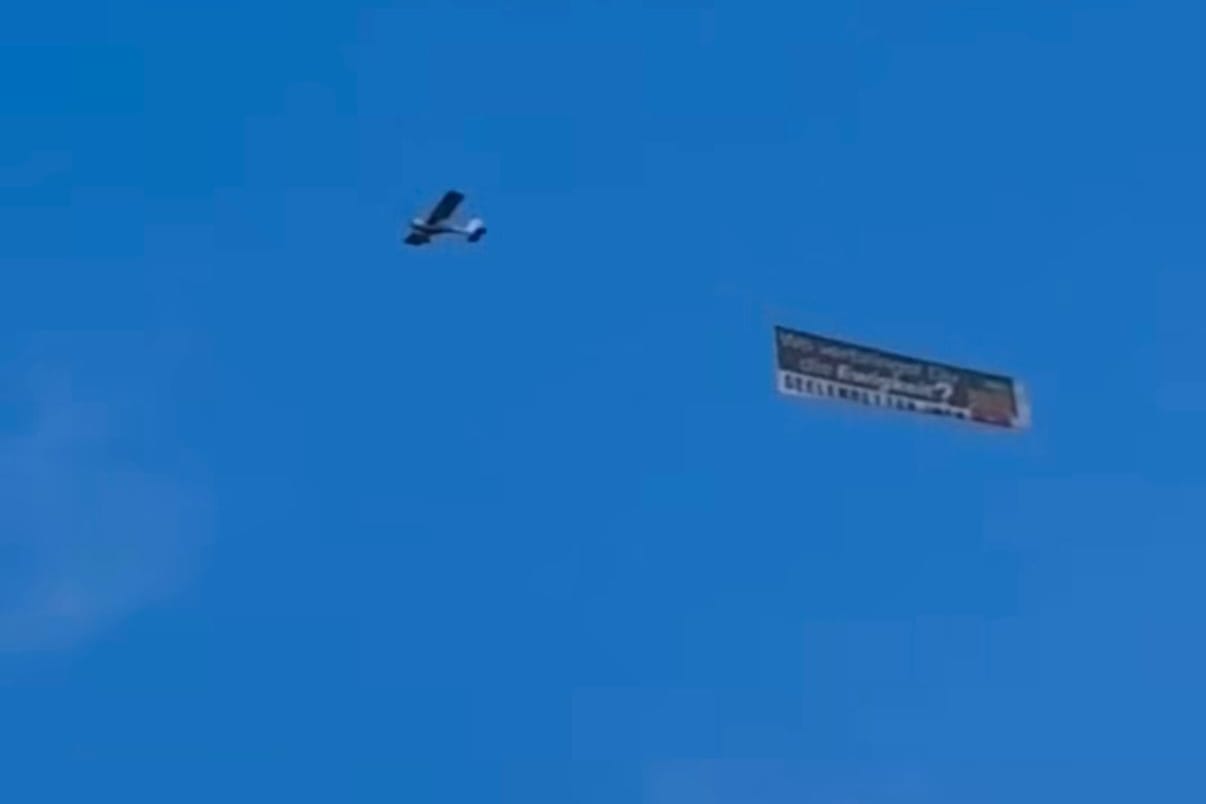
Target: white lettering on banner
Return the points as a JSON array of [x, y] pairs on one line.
[[800, 385], [941, 391]]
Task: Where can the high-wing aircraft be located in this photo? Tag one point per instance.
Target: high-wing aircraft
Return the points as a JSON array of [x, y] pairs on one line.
[[422, 230]]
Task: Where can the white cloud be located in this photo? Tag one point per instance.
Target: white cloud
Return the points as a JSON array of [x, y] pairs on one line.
[[87, 537]]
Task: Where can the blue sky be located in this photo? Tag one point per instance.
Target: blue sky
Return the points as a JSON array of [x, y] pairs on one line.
[[289, 512]]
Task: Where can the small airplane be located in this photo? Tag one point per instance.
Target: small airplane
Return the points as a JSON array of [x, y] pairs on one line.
[[424, 229]]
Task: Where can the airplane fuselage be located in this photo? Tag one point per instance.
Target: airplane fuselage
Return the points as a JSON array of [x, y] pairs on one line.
[[421, 226], [426, 229]]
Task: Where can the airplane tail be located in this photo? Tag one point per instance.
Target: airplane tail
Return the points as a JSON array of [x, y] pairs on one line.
[[475, 230]]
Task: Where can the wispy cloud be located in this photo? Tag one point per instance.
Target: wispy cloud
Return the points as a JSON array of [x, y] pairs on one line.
[[87, 536]]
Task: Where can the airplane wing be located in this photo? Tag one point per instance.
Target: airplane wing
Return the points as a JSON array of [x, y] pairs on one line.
[[416, 239], [446, 207]]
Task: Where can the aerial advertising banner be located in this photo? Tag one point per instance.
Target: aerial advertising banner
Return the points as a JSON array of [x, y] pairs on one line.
[[813, 366]]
